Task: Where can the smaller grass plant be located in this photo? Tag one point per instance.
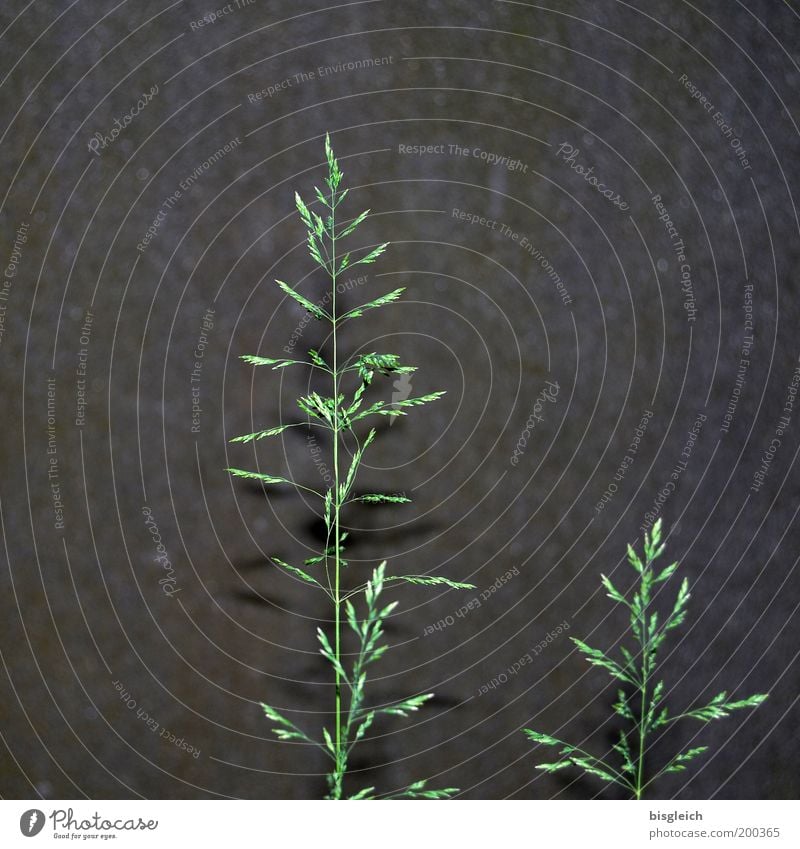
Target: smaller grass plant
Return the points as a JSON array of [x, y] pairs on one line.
[[641, 704]]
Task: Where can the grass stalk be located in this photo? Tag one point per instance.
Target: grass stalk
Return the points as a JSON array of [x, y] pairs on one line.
[[634, 669], [339, 415]]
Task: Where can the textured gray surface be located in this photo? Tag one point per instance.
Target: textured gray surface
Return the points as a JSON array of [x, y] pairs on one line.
[[83, 607]]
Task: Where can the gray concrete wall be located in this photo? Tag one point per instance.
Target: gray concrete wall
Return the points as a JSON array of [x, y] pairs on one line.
[[559, 283]]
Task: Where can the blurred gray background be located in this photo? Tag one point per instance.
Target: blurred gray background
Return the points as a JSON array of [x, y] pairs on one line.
[[122, 678]]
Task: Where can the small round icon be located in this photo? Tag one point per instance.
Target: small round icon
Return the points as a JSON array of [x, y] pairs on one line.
[[31, 822]]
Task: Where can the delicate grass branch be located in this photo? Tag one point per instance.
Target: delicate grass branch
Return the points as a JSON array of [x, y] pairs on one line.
[[643, 707], [338, 413]]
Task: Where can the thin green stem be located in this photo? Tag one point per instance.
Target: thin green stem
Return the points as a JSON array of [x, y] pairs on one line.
[[308, 489], [670, 719], [354, 592], [644, 709], [654, 778], [642, 733], [337, 790]]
